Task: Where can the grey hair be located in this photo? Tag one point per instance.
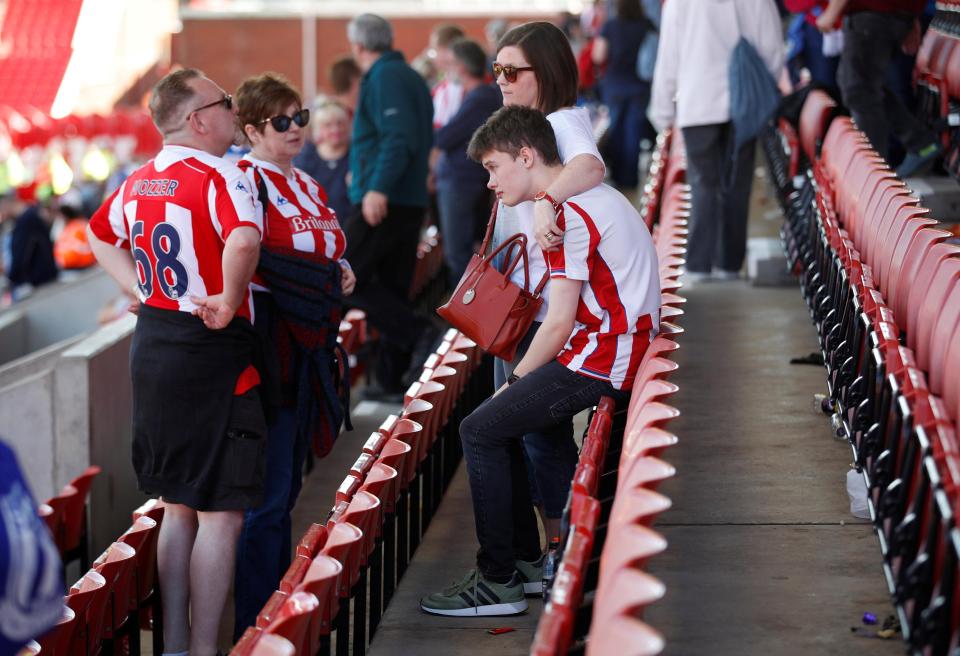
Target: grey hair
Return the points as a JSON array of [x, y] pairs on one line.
[[370, 31]]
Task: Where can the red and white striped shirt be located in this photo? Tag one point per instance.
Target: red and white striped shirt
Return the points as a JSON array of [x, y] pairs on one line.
[[174, 214], [297, 215], [447, 98], [608, 247]]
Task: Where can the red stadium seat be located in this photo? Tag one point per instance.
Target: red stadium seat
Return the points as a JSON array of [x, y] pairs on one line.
[[293, 620], [255, 642], [634, 504], [294, 574], [60, 639], [89, 598], [344, 543], [118, 566], [271, 609], [312, 541], [322, 581], [624, 636]]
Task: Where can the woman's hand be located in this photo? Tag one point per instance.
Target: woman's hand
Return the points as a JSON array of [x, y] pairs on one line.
[[348, 280], [549, 236]]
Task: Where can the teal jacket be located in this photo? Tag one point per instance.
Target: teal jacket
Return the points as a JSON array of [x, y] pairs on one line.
[[392, 133]]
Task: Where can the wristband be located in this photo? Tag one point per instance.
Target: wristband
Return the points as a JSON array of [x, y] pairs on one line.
[[512, 378]]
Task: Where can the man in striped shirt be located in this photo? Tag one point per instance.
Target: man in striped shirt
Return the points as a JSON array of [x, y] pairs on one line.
[[603, 311], [182, 228]]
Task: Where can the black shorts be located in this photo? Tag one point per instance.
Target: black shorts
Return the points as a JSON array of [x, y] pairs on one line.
[[234, 479]]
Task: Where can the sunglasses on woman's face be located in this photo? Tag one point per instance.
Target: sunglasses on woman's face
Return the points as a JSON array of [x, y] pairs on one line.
[[509, 71], [281, 122]]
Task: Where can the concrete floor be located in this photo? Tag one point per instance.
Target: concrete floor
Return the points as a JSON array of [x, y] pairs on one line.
[[764, 555]]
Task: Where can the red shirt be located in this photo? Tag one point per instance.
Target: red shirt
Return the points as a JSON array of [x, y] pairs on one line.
[[175, 213], [297, 216]]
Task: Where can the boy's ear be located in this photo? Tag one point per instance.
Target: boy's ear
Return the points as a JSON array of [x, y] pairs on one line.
[[527, 156]]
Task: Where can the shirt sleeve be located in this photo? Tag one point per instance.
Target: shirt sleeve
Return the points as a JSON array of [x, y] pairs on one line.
[[570, 260], [232, 202], [397, 124], [662, 106], [574, 137], [108, 223]]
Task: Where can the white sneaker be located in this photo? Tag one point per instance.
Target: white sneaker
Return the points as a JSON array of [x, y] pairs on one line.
[[723, 274]]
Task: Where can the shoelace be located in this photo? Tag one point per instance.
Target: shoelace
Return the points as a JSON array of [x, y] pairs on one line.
[[463, 583]]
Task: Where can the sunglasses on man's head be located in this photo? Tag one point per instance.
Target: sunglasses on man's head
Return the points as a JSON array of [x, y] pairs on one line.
[[281, 122], [226, 101], [509, 71]]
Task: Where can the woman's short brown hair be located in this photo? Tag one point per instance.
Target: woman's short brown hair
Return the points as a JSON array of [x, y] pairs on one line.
[[548, 51], [262, 96]]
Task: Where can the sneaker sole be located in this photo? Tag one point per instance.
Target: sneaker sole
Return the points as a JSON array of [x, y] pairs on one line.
[[514, 608], [534, 589]]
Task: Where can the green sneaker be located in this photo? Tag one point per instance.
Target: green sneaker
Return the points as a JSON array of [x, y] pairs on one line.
[[531, 575], [476, 596]]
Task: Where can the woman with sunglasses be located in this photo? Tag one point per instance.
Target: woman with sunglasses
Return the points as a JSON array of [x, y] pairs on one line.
[[535, 68], [301, 233]]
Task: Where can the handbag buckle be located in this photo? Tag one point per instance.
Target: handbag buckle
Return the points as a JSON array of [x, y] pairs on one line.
[[468, 296]]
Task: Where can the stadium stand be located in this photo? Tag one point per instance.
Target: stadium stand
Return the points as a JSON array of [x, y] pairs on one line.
[[881, 284]]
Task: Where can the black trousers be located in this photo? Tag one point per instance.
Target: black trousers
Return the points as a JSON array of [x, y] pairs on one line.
[[718, 218], [870, 40], [383, 258]]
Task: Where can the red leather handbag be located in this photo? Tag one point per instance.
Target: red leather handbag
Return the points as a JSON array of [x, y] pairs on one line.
[[487, 306]]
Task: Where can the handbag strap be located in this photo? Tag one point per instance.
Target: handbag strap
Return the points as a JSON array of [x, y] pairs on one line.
[[491, 223]]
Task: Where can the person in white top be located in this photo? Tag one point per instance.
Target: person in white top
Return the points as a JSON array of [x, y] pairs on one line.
[[691, 92], [603, 314], [535, 68]]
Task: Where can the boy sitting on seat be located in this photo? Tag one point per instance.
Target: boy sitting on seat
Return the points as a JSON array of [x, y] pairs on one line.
[[603, 311]]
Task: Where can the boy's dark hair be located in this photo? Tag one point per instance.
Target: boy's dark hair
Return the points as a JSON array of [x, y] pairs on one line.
[[510, 129]]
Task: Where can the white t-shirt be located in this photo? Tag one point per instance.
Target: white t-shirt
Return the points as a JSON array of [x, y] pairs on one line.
[[574, 137], [607, 246]]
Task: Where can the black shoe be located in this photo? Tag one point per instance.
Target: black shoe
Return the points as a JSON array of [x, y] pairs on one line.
[[374, 392]]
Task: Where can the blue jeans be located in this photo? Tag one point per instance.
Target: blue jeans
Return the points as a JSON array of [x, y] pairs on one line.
[[264, 550], [491, 437], [622, 151], [463, 210], [550, 456]]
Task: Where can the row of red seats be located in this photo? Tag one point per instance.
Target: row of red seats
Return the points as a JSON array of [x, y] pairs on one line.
[[937, 81], [606, 530], [37, 35], [664, 173], [106, 601], [429, 262], [347, 567], [106, 608], [66, 516], [883, 286]]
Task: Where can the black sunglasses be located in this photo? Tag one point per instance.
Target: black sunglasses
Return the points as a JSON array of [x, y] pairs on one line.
[[509, 71], [281, 122], [226, 101]]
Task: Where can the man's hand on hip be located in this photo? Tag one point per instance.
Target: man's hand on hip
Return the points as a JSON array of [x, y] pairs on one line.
[[215, 311]]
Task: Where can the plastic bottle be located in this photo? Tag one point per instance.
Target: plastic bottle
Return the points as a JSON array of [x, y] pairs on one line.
[[550, 566]]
